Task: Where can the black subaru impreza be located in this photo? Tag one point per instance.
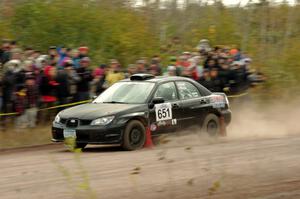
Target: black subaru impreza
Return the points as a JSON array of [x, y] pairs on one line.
[[125, 111]]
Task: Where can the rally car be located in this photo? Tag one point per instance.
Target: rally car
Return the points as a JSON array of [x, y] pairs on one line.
[[125, 111]]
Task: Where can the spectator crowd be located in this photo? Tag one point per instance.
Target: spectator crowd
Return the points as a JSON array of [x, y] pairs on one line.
[[30, 79]]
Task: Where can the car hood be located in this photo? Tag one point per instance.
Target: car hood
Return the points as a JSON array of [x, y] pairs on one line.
[[93, 111]]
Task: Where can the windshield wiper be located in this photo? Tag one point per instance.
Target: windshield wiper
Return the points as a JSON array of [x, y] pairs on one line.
[[115, 102]]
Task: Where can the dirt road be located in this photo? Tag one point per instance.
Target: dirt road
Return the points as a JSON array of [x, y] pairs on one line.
[[264, 168]]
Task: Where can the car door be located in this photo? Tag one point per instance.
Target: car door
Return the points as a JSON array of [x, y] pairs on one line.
[[192, 103], [165, 117]]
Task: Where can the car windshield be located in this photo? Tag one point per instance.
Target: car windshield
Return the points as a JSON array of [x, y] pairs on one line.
[[126, 92]]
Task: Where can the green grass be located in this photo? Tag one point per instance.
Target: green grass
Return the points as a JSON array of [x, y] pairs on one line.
[[12, 138]]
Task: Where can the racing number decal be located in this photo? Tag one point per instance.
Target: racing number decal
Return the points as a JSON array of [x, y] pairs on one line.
[[163, 111]]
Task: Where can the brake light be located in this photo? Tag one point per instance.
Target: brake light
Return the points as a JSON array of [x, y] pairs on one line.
[[219, 100]]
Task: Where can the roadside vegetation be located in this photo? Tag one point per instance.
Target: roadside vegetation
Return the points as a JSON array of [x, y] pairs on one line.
[[14, 138]]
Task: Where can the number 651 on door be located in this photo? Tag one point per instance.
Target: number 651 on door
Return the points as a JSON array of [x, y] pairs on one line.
[[163, 111]]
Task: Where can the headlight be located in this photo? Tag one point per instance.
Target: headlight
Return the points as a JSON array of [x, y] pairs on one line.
[[57, 118], [102, 121]]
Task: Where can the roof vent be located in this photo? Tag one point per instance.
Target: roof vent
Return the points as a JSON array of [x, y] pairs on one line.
[[141, 77]]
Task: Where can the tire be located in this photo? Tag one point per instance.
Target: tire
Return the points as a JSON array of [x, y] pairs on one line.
[[80, 145], [211, 125], [134, 136]]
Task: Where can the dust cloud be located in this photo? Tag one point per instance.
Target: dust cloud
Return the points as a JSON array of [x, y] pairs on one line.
[[273, 120], [249, 121]]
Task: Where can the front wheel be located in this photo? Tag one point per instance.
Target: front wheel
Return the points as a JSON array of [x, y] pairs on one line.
[[211, 125], [134, 136]]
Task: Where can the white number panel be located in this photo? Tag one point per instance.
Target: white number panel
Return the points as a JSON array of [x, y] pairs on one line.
[[163, 111]]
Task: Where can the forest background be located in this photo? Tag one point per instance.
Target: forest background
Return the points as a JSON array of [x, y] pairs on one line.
[[267, 31]]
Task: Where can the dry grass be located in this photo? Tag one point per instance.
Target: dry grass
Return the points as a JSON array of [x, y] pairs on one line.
[[11, 138]]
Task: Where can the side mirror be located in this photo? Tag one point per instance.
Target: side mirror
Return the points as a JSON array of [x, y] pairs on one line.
[[156, 100]]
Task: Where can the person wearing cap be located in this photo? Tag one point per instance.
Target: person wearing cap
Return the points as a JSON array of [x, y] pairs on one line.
[[17, 69], [114, 74], [75, 58], [13, 77], [171, 71], [239, 78], [8, 85], [53, 55], [73, 78], [83, 51], [85, 74], [247, 62], [131, 70], [187, 55], [203, 46], [64, 81], [236, 54], [41, 62]]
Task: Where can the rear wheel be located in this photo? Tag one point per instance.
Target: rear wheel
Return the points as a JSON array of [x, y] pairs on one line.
[[134, 136], [211, 125]]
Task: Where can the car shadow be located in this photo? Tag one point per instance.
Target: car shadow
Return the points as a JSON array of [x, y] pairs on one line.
[[95, 149], [102, 149]]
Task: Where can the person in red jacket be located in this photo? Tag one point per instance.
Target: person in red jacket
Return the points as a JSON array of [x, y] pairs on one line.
[[48, 85]]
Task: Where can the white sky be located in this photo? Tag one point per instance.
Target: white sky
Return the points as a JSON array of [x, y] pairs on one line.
[[226, 2]]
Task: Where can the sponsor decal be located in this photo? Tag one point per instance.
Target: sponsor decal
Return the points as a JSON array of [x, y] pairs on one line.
[[174, 121], [161, 123], [153, 127]]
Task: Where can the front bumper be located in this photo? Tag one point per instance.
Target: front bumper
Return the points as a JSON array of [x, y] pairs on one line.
[[90, 134]]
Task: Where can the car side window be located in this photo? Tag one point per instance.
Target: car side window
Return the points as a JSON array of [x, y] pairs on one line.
[[167, 91], [187, 90]]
